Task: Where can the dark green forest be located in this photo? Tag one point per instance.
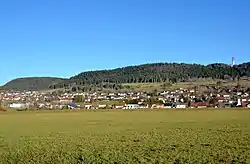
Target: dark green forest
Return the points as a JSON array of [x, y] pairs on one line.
[[159, 72], [147, 73]]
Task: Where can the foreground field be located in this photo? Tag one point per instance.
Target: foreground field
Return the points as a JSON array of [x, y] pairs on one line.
[[209, 136]]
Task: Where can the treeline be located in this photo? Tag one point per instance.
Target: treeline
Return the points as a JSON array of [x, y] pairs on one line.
[[159, 72]]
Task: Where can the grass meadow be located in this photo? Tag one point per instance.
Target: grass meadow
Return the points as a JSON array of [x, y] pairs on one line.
[[162, 136]]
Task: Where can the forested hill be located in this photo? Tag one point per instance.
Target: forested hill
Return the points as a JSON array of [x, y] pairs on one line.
[[32, 83], [150, 73], [161, 72]]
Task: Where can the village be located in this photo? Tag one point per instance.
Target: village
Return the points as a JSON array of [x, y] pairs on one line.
[[179, 98]]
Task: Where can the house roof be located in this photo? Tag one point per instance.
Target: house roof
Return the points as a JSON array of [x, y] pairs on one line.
[[244, 103], [66, 98], [220, 98], [199, 104], [73, 105]]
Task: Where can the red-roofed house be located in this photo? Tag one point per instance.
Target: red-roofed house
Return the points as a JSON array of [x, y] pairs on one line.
[[199, 105], [66, 100]]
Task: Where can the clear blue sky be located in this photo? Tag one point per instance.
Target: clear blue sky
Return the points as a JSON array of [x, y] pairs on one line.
[[65, 37]]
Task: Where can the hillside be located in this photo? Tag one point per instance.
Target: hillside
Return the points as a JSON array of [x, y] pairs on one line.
[[148, 73], [161, 72], [158, 72], [31, 83]]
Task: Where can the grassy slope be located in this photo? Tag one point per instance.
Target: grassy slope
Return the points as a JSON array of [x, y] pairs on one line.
[[126, 137], [150, 87]]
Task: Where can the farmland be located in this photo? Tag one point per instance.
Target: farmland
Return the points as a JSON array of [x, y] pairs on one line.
[[161, 136]]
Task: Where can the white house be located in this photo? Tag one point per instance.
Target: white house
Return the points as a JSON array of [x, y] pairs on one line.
[[132, 106], [41, 105], [181, 106], [244, 100], [226, 96], [245, 95], [167, 107], [102, 106], [17, 105], [87, 106], [192, 91], [119, 106]]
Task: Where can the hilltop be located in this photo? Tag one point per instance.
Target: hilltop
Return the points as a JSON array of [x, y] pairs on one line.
[[31, 83], [170, 73]]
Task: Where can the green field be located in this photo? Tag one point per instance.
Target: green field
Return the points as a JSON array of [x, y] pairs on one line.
[[163, 136]]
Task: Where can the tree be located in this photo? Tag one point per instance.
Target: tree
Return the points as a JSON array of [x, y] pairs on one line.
[[78, 98], [155, 93], [212, 101], [151, 101], [219, 83], [133, 101], [166, 85], [248, 90]]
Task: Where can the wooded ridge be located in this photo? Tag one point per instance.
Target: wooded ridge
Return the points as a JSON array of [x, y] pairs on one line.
[[147, 73]]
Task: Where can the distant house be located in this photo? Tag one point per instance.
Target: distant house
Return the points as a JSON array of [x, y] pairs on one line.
[[199, 105], [181, 106], [131, 106], [66, 100], [168, 105], [159, 106], [41, 105], [245, 95], [102, 106], [226, 96], [17, 105], [73, 106], [244, 100], [192, 91], [244, 104], [118, 106], [87, 100], [87, 106]]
